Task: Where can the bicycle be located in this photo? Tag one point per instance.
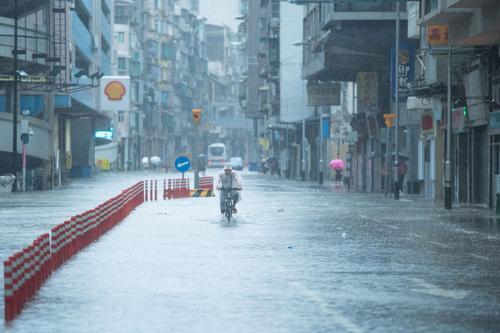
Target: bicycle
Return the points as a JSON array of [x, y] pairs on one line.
[[228, 202]]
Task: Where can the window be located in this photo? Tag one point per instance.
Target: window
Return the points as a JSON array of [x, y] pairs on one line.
[[121, 37], [122, 63]]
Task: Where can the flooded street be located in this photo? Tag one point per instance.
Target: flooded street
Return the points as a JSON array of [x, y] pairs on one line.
[[297, 258]]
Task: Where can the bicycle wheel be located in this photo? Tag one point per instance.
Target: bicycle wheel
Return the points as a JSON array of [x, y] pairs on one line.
[[228, 210]]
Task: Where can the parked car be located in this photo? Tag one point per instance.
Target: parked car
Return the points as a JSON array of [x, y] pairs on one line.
[[236, 163]]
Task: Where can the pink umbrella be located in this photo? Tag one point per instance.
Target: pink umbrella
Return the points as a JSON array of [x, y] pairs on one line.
[[337, 164]]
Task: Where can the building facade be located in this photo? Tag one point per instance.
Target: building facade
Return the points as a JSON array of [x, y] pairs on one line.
[[260, 89], [223, 119], [67, 50], [465, 35]]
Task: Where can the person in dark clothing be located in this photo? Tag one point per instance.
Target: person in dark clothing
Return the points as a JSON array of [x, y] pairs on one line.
[[402, 170], [202, 164], [338, 177]]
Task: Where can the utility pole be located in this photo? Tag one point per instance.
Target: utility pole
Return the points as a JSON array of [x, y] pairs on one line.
[[396, 143], [14, 104], [320, 146], [447, 164], [303, 172]]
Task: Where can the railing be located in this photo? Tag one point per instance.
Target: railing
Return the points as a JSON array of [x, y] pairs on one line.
[[82, 37], [106, 29], [25, 271], [106, 66], [368, 7], [87, 4]]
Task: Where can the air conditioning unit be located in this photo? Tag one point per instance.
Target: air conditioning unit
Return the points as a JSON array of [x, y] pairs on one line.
[[496, 94], [413, 9], [416, 103]]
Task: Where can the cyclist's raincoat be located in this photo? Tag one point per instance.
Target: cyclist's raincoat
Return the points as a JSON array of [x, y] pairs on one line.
[[228, 181]]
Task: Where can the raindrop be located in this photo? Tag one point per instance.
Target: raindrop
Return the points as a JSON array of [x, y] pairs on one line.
[[281, 210], [344, 235]]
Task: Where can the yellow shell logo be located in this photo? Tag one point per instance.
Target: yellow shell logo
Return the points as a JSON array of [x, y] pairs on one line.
[[115, 90]]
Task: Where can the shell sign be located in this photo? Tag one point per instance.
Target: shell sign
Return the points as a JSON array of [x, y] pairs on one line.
[[115, 93], [115, 90]]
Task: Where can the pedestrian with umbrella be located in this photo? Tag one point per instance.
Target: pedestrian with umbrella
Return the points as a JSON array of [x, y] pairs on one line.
[[338, 166]]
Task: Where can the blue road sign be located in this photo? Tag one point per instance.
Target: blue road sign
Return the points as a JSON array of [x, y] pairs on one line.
[[182, 164]]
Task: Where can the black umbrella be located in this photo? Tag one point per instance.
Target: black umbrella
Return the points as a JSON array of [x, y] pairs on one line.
[[402, 157]]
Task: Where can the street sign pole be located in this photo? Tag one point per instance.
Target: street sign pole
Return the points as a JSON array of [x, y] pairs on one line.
[[14, 104], [196, 158], [24, 139], [196, 119]]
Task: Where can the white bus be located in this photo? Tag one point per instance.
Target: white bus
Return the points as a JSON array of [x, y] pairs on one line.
[[216, 155]]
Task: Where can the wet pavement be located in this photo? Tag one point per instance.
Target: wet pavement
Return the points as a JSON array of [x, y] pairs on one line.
[[298, 258]]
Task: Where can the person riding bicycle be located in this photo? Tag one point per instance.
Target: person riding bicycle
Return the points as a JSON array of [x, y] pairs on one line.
[[229, 179]]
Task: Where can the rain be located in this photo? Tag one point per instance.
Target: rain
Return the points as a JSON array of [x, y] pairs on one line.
[[249, 165]]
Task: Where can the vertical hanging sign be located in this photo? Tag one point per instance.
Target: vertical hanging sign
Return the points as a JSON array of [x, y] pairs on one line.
[[406, 68], [325, 127]]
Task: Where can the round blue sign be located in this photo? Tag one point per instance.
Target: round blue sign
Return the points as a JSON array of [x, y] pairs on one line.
[[182, 164]]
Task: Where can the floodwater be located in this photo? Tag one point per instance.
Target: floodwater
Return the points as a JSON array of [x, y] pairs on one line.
[[298, 258]]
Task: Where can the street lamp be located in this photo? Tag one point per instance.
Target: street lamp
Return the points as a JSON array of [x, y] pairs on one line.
[[303, 161]]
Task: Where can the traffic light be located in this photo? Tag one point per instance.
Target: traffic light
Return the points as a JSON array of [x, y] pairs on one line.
[[25, 138], [466, 112], [196, 115]]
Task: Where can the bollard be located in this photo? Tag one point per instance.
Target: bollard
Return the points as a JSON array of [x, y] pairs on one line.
[[8, 290], [151, 189], [156, 190], [164, 189]]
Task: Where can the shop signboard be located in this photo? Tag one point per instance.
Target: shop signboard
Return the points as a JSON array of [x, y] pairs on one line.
[[367, 83], [495, 123], [458, 120], [437, 34], [427, 123], [323, 94]]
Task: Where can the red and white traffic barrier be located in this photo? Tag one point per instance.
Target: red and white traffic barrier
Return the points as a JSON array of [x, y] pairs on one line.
[[177, 188], [26, 271], [206, 183]]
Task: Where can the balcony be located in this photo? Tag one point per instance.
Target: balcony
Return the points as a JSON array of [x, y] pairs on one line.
[[87, 5], [469, 3], [108, 4], [106, 66], [82, 37], [441, 13], [106, 29], [314, 66]]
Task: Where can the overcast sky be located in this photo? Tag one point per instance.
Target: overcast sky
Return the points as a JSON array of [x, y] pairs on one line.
[[220, 12]]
